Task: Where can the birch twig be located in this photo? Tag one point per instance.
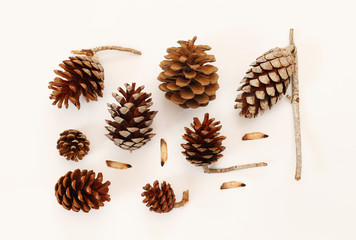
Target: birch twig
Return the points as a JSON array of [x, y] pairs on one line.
[[296, 113]]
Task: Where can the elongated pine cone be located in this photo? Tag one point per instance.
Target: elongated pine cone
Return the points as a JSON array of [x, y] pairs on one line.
[[81, 75], [73, 145], [204, 145], [132, 118], [159, 199], [266, 82], [187, 80], [80, 190]]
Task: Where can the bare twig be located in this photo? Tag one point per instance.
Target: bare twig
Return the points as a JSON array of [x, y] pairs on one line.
[[93, 51], [296, 113], [254, 136], [164, 153], [238, 167], [232, 184], [184, 200]]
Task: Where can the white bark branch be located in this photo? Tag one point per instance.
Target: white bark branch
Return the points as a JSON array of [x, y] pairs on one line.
[[296, 113], [237, 167]]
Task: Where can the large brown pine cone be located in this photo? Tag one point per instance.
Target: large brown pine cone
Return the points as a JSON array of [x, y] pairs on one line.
[[266, 82], [73, 145], [80, 190], [81, 75], [132, 119], [187, 80], [159, 199], [204, 145]]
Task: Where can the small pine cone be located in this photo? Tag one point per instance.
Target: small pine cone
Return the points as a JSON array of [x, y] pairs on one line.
[[159, 199], [81, 75], [187, 80], [266, 82], [130, 129], [73, 145], [204, 145], [81, 190]]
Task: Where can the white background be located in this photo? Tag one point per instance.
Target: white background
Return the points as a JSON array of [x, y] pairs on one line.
[[37, 35]]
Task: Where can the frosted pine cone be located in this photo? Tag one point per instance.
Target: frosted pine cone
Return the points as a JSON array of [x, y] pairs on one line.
[[131, 129], [266, 82]]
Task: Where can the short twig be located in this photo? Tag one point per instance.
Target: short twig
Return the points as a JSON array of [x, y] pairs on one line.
[[237, 167], [184, 200], [93, 51]]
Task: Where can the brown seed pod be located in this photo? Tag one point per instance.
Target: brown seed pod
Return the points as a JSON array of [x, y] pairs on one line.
[[80, 190], [73, 145], [82, 74], [187, 78], [161, 199]]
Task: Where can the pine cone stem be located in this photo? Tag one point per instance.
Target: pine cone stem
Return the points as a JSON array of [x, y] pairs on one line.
[[92, 51], [233, 168], [296, 113], [184, 200]]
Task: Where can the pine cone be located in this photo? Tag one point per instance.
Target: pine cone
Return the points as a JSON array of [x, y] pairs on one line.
[[159, 199], [81, 190], [204, 145], [132, 119], [73, 145], [266, 82], [81, 75], [187, 79]]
